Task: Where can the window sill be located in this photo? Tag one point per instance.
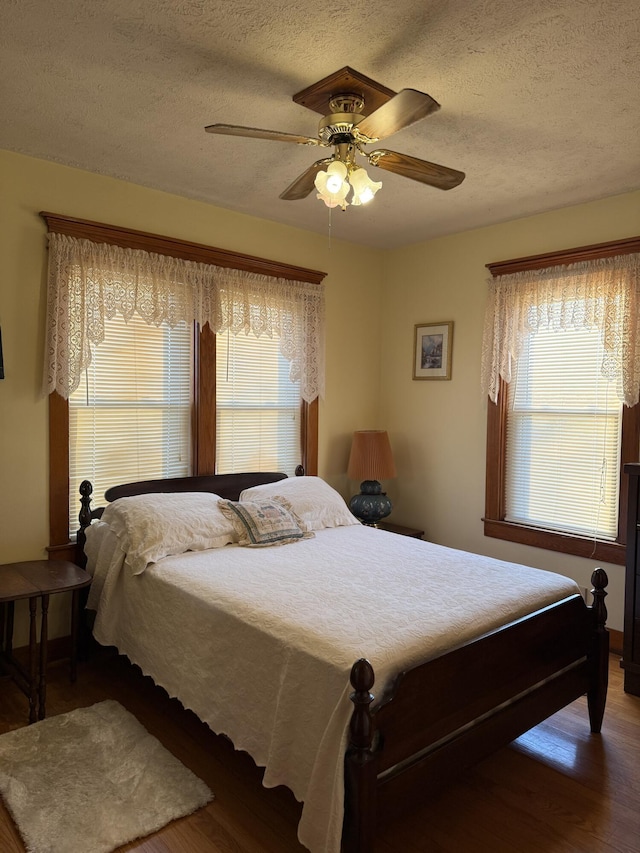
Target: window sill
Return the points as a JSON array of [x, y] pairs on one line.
[[565, 543]]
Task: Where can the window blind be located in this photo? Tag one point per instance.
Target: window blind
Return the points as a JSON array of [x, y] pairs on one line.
[[130, 417], [563, 436], [257, 406]]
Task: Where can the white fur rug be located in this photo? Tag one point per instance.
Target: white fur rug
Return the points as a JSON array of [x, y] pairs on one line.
[[92, 780]]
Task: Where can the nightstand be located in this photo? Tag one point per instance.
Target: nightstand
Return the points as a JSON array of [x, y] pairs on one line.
[[402, 531], [33, 580]]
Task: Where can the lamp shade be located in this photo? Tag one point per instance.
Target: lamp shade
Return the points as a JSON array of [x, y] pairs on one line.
[[371, 457]]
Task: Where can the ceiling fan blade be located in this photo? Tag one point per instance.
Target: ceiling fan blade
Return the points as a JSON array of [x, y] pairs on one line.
[[405, 108], [258, 133], [304, 183], [418, 170]]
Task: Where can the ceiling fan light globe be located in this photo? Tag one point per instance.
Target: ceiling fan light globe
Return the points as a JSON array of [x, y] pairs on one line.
[[333, 183], [332, 200], [337, 168], [320, 182], [336, 175], [332, 186], [364, 188]]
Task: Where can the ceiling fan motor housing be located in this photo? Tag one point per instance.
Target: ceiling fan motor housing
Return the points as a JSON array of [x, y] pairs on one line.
[[338, 127]]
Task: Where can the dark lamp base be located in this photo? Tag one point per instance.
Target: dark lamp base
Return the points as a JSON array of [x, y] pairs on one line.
[[372, 504]]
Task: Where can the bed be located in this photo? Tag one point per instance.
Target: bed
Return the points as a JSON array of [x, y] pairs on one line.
[[362, 669]]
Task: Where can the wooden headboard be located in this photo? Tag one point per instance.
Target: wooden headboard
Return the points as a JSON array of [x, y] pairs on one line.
[[228, 486]]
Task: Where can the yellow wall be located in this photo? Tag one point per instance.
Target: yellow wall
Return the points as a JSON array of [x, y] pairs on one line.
[[438, 428], [353, 287]]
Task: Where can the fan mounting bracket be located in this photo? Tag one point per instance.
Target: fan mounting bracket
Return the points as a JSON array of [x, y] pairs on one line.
[[347, 82]]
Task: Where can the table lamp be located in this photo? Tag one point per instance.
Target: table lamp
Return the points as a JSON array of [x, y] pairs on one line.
[[370, 460]]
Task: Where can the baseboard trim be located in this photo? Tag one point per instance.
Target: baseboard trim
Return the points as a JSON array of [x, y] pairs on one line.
[[616, 641], [59, 648]]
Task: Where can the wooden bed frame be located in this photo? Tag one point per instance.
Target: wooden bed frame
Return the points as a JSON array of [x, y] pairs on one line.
[[441, 717]]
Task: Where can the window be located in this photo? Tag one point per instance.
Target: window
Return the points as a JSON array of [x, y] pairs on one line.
[[130, 418], [563, 437], [258, 411], [558, 433], [157, 401]]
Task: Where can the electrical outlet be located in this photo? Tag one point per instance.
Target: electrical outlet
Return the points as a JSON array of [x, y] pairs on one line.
[[586, 594]]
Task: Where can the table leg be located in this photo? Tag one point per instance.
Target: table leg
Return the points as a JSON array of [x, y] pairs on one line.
[[44, 637], [10, 612], [75, 615], [33, 663]]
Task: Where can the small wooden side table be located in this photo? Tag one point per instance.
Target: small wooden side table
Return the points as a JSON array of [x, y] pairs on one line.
[[402, 531], [33, 580]]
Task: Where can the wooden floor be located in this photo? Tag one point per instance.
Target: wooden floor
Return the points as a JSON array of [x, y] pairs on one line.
[[557, 789]]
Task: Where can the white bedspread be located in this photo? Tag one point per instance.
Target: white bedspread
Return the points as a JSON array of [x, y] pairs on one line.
[[260, 644]]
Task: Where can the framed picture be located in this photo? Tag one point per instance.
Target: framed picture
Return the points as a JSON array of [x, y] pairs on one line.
[[432, 351]]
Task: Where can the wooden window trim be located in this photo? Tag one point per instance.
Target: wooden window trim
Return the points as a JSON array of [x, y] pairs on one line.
[[567, 256], [494, 518], [203, 416], [128, 238]]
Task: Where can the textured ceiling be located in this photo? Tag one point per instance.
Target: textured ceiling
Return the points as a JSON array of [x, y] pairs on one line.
[[540, 100]]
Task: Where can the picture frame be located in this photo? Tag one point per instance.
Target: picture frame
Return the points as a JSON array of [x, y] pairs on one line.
[[433, 345]]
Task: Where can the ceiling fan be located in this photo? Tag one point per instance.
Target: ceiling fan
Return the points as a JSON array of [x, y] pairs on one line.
[[356, 111]]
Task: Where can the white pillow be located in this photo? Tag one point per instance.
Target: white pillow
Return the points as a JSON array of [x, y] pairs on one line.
[[154, 526], [315, 502]]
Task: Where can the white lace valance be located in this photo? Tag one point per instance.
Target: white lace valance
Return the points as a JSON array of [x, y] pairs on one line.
[[599, 294], [90, 282]]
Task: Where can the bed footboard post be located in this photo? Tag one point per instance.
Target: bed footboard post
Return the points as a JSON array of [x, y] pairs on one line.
[[599, 651], [360, 765]]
